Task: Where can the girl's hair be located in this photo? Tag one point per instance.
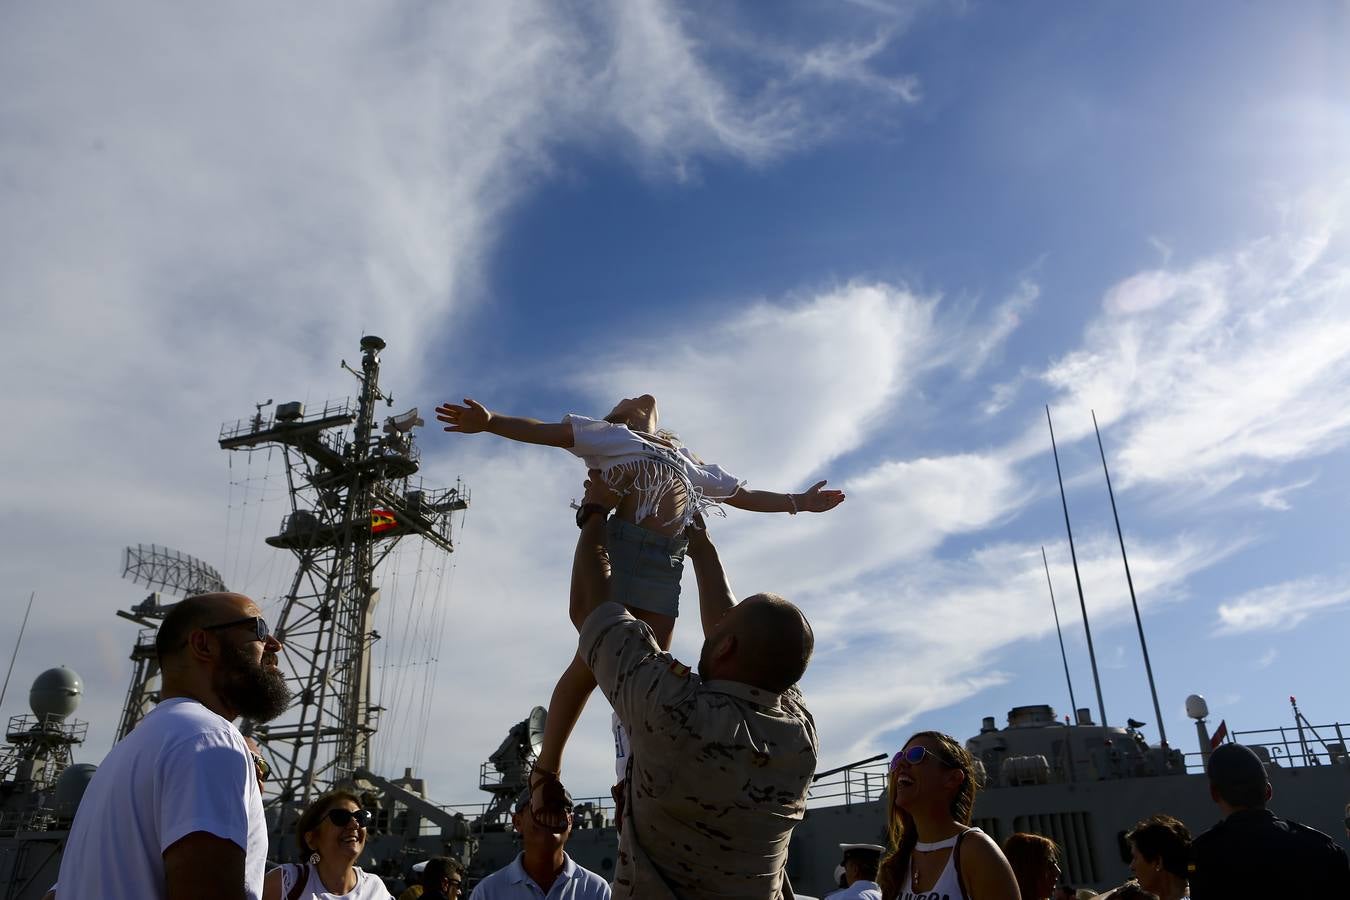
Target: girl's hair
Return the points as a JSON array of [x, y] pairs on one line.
[[900, 825], [1031, 857], [1165, 839], [314, 813]]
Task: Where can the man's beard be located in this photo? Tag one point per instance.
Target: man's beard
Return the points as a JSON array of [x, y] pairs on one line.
[[258, 692]]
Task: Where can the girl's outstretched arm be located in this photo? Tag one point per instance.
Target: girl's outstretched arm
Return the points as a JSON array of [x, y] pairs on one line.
[[473, 417], [812, 500]]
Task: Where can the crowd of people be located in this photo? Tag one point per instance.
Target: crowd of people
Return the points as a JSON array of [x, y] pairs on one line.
[[717, 761]]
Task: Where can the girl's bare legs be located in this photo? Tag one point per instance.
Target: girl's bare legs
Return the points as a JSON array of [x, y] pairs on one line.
[[564, 709]]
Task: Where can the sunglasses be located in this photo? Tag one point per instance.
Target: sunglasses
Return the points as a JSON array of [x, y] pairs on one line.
[[340, 817], [260, 630], [915, 755]]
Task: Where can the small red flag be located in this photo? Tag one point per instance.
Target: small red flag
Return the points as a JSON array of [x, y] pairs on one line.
[[1219, 734]]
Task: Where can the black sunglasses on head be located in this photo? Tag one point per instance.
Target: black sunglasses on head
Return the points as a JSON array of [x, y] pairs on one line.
[[260, 630], [340, 817]]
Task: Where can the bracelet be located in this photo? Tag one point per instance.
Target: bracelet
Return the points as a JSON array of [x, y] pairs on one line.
[[792, 502]]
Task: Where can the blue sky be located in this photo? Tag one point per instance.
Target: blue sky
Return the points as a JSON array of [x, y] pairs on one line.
[[860, 241]]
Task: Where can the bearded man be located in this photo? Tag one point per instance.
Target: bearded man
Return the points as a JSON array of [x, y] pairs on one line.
[[175, 810]]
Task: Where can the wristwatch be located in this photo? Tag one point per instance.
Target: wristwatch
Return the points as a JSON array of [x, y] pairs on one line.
[[586, 510]]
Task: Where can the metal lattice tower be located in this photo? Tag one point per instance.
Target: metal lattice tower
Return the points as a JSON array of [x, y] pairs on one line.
[[352, 500]]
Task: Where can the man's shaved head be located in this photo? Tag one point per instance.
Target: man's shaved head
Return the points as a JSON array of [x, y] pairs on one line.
[[774, 642], [195, 612]]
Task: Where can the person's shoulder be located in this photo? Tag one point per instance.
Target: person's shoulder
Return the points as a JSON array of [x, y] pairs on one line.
[[182, 714], [976, 844], [1311, 837], [591, 879], [188, 724], [603, 620], [1211, 836]]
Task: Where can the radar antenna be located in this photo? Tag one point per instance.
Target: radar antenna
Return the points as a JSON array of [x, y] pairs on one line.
[[162, 569]]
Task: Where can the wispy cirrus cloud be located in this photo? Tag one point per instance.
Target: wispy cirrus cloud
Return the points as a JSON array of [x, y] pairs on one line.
[[1282, 606], [950, 619], [1225, 367]]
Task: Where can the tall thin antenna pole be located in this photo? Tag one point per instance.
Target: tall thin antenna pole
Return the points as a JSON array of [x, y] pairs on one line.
[[15, 655], [1073, 554], [1138, 621], [1065, 656]]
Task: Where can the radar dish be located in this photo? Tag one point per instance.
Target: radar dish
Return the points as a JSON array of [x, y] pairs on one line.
[[56, 692], [70, 787], [535, 725], [171, 571]]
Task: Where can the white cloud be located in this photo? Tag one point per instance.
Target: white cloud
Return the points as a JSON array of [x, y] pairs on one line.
[[1225, 367], [777, 391], [206, 206], [849, 63], [1005, 318], [1276, 498], [949, 619], [1282, 606]]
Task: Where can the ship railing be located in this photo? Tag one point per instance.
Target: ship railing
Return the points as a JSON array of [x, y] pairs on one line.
[[1289, 747], [857, 784], [25, 821], [592, 812], [260, 422]]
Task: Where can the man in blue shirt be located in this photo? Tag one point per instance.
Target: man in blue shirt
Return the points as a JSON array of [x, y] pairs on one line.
[[542, 871]]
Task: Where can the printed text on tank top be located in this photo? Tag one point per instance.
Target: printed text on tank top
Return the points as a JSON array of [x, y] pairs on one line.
[[948, 883]]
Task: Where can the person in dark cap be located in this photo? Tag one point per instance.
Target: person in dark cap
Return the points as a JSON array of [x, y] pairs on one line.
[[858, 872], [1254, 852]]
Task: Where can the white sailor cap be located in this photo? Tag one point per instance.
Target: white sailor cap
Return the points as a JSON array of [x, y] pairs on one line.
[[421, 867], [868, 848]]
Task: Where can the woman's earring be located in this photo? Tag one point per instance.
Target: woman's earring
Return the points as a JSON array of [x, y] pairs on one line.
[[314, 858]]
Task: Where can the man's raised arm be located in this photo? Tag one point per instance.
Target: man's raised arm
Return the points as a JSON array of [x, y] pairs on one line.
[[590, 563], [714, 591]]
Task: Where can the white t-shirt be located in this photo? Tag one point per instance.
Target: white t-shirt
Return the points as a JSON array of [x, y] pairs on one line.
[[368, 887], [183, 769], [630, 461]]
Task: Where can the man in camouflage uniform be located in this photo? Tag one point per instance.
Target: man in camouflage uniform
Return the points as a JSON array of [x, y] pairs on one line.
[[721, 760]]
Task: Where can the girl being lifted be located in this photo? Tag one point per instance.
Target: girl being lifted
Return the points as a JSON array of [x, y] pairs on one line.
[[664, 487]]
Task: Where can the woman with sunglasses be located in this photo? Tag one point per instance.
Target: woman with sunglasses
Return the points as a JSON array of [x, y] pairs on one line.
[[934, 851], [332, 834]]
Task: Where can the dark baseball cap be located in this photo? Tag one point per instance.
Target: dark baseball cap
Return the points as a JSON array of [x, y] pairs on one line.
[[1235, 764]]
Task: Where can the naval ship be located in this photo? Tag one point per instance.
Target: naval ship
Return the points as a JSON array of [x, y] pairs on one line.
[[354, 497]]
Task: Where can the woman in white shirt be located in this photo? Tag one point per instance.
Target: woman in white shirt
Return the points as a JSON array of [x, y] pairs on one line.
[[332, 834], [934, 851]]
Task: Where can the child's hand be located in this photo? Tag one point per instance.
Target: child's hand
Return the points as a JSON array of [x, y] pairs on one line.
[[816, 500], [471, 418]]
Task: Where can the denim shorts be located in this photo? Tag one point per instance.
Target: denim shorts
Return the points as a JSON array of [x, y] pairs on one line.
[[645, 567]]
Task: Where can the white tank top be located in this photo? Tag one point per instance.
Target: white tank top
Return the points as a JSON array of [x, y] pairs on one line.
[[368, 887], [947, 887]]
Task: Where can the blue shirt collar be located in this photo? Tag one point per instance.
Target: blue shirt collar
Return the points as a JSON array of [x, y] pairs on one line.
[[517, 872]]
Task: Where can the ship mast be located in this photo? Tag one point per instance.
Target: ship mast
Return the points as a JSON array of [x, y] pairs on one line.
[[352, 499]]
